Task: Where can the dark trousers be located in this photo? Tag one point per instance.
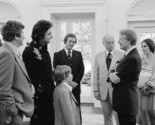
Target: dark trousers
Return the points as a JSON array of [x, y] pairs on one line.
[[77, 96], [43, 115], [126, 119]]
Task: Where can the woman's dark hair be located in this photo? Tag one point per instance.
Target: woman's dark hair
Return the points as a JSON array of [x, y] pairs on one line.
[[11, 29], [39, 29], [150, 44]]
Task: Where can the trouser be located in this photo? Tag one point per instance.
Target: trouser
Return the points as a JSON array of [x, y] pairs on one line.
[[126, 119], [43, 115], [110, 117]]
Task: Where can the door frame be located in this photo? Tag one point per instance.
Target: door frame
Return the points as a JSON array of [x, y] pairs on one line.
[[141, 26]]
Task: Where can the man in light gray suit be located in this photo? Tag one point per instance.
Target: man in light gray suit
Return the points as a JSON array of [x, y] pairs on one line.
[[104, 62], [16, 97]]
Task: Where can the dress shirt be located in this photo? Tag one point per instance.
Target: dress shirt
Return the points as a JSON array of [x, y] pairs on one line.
[[112, 52], [66, 50]]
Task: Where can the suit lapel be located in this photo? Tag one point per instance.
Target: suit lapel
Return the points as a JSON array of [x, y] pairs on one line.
[[74, 57], [18, 60], [127, 56], [114, 59], [22, 66], [102, 60], [74, 98], [71, 94]]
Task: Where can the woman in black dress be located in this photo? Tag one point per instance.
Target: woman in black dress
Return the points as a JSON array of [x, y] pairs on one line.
[[38, 64]]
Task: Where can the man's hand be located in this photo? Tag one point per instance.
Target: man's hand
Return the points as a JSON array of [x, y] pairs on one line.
[[97, 95], [114, 78]]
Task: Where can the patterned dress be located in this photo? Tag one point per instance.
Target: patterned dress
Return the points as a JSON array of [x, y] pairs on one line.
[[147, 97], [147, 93]]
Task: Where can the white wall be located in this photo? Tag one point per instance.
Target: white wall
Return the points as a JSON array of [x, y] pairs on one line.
[[117, 16]]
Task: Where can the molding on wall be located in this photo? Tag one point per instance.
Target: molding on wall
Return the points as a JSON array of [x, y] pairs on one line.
[[9, 11], [142, 10], [72, 2]]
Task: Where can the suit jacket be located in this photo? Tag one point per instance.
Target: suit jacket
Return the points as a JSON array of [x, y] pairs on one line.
[[60, 58], [100, 73], [125, 93], [67, 111], [15, 85]]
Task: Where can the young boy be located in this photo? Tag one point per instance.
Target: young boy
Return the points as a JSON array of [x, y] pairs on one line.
[[67, 111]]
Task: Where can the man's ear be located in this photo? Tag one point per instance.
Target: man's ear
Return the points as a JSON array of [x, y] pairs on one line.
[[129, 41], [16, 37]]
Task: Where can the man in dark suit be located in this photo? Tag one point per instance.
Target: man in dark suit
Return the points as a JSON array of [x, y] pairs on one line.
[[72, 58], [16, 91], [124, 79]]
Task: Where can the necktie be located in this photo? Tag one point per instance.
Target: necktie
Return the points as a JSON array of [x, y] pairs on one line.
[[69, 54], [108, 60], [69, 58]]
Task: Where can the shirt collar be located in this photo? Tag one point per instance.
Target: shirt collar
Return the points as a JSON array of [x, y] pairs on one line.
[[112, 52], [66, 50], [68, 86], [129, 50], [13, 47]]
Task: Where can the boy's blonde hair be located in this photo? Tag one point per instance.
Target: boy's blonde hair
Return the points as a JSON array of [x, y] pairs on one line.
[[60, 73]]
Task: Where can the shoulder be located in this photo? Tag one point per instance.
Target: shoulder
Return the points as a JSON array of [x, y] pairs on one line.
[[61, 90], [136, 54], [59, 52], [6, 56], [5, 52], [77, 52], [28, 49]]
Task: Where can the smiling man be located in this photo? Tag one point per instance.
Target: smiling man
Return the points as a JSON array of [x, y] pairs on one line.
[[72, 58], [125, 78], [104, 62], [16, 97]]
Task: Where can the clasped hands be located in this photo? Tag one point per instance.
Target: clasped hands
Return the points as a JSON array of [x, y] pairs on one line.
[[114, 78]]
